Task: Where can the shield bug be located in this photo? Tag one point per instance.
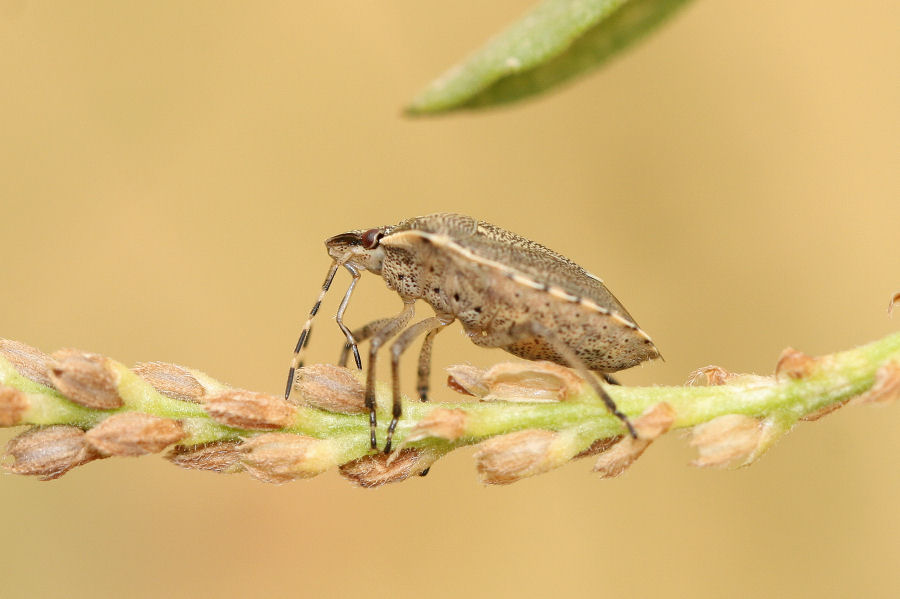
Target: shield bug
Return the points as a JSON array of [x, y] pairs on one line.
[[505, 290]]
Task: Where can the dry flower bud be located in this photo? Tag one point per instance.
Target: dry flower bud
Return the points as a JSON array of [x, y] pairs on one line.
[[655, 421], [886, 387], [531, 381], [794, 364], [726, 439], [712, 375], [331, 388], [249, 410], [49, 452], [283, 457], [449, 424], [517, 381], [467, 380], [171, 380], [824, 411], [380, 469], [28, 361], [13, 404], [134, 434], [507, 458], [86, 379], [599, 446], [221, 456]]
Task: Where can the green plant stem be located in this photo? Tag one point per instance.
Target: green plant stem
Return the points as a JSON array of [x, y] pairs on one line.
[[832, 379]]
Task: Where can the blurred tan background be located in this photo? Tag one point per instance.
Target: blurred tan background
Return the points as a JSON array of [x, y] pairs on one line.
[[169, 170]]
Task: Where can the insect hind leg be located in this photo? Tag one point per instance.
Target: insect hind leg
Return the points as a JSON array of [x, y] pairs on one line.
[[610, 379], [423, 372], [535, 329]]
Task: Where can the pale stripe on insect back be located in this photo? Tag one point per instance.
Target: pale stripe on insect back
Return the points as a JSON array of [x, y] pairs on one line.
[[446, 242], [562, 294]]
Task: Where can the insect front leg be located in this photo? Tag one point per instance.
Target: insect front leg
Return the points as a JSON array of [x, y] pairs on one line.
[[535, 329], [361, 334], [429, 325], [386, 332], [351, 341]]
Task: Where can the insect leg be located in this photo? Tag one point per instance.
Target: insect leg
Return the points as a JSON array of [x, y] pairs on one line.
[[423, 374], [340, 315], [424, 371], [610, 379], [296, 362], [386, 332], [568, 354], [361, 334], [397, 348]]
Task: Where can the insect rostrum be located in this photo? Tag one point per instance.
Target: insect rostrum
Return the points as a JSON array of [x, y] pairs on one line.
[[505, 290]]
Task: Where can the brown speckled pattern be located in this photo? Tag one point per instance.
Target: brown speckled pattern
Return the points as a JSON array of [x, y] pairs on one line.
[[492, 280]]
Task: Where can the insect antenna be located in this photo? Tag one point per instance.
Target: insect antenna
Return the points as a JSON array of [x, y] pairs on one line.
[[303, 341]]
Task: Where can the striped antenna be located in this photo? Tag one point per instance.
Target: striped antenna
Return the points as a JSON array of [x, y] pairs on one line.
[[303, 341]]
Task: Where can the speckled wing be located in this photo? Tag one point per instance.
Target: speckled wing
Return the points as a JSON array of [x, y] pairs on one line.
[[516, 253]]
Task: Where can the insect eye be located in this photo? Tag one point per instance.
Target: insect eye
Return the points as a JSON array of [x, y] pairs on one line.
[[371, 238]]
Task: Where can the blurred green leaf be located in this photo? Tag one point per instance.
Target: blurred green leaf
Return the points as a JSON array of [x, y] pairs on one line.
[[555, 42]]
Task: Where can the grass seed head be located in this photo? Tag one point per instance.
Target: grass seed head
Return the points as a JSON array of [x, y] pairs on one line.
[[283, 457], [86, 379], [516, 381], [726, 440], [13, 405], [249, 410], [711, 375], [134, 434], [49, 452], [380, 469], [508, 458], [28, 361], [220, 456], [171, 380], [441, 423], [331, 388], [654, 422], [794, 364], [466, 379], [531, 381]]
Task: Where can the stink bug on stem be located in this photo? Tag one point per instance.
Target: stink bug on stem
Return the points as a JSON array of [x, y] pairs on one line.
[[505, 290]]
